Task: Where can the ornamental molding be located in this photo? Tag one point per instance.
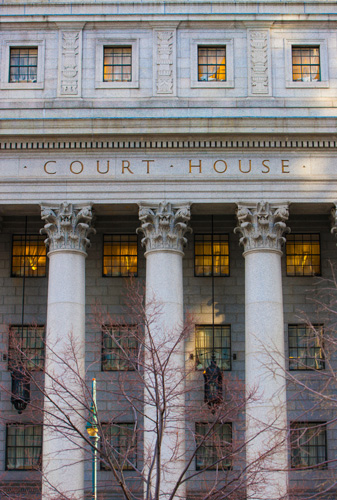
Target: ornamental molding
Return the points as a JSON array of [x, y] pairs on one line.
[[164, 60], [164, 226], [70, 63], [262, 226], [259, 62], [67, 226]]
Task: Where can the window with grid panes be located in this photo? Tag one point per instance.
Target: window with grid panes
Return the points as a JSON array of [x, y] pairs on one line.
[[211, 255], [306, 64], [23, 447], [303, 255], [119, 348], [23, 64], [120, 255], [26, 347], [117, 65], [205, 348], [29, 255], [215, 446], [211, 63], [305, 347], [120, 443], [308, 444]]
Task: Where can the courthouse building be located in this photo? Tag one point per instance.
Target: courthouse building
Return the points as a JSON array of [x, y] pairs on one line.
[[168, 116]]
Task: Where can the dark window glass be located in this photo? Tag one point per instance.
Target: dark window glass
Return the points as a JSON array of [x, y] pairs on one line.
[[211, 255], [117, 66], [306, 64], [215, 441], [29, 255], [305, 347], [205, 348], [119, 348], [23, 65], [120, 443], [26, 347], [308, 444], [24, 447], [120, 255], [211, 63], [303, 255]]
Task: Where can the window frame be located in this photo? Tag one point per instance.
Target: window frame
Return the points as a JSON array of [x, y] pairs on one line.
[[194, 256], [228, 43], [135, 275], [121, 424], [36, 235], [197, 456], [230, 346], [305, 426], [286, 255], [300, 361], [25, 425], [25, 362], [29, 44], [119, 327], [323, 51], [99, 62]]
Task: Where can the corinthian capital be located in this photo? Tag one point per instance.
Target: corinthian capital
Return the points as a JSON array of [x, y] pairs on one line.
[[67, 226], [262, 226], [164, 226]]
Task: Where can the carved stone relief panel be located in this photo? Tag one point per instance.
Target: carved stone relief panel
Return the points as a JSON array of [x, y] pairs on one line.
[[164, 62], [70, 63], [259, 67]]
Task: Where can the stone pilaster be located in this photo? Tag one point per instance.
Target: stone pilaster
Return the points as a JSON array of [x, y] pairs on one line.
[[70, 61], [259, 62], [164, 58]]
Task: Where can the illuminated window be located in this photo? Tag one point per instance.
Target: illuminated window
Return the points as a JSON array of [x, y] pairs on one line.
[[211, 255], [308, 444], [119, 348], [23, 447], [215, 446], [211, 63], [205, 348], [120, 443], [303, 255], [306, 64], [29, 255], [23, 65], [305, 347], [26, 347], [120, 255], [117, 65]]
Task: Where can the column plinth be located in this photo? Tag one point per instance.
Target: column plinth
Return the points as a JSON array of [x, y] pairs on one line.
[[262, 228], [67, 227]]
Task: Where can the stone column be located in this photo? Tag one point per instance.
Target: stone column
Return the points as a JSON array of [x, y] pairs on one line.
[[164, 227], [67, 227], [262, 227]]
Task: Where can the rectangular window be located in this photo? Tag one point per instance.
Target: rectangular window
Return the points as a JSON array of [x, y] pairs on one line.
[[305, 347], [26, 346], [306, 63], [120, 255], [23, 64], [211, 255], [120, 443], [215, 446], [119, 349], [117, 65], [29, 255], [308, 445], [303, 255], [24, 447], [211, 63], [205, 348]]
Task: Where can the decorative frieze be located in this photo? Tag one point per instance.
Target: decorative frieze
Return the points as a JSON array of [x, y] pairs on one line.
[[259, 63], [165, 65], [262, 226], [70, 63], [164, 226], [67, 226]]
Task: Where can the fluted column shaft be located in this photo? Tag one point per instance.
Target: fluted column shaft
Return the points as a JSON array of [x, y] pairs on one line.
[[164, 227], [67, 227], [262, 227]]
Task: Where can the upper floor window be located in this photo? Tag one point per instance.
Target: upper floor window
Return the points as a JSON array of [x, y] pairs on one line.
[[211, 255], [119, 348], [214, 443], [26, 347], [117, 66], [120, 255], [211, 63], [303, 255], [23, 447], [305, 347], [29, 255], [23, 64], [306, 63], [308, 444], [120, 444], [209, 344]]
